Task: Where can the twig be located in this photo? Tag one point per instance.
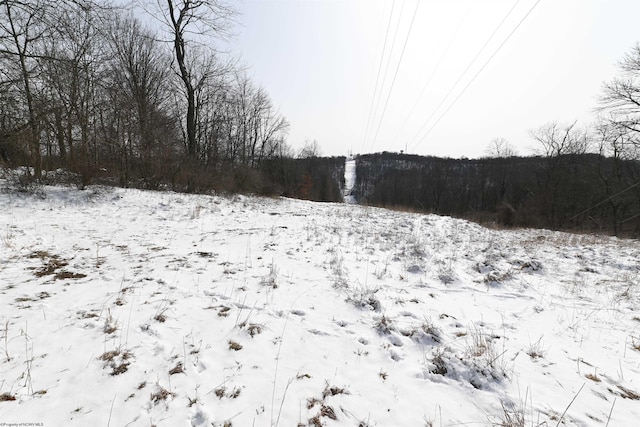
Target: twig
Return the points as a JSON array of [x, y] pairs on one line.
[[496, 358], [570, 403], [284, 395], [275, 374], [111, 411], [240, 311], [184, 351], [126, 339], [6, 340], [611, 412]]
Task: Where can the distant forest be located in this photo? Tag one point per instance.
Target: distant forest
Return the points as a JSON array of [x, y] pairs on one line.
[[572, 191]]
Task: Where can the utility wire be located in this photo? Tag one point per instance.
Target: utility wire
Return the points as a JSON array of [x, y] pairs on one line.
[[433, 73], [415, 11], [477, 74], [629, 219], [605, 201], [386, 69], [375, 88], [464, 72]]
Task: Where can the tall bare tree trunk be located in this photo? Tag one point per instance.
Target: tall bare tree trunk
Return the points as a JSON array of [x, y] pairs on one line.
[[21, 39]]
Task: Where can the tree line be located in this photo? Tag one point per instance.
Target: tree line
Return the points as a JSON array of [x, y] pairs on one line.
[[572, 191], [87, 87]]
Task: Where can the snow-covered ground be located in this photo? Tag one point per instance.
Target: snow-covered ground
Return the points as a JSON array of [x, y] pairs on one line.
[[124, 307], [349, 180]]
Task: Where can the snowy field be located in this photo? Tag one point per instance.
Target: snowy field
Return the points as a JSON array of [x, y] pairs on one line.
[[131, 308]]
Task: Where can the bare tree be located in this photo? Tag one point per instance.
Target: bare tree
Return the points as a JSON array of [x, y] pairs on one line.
[[189, 22], [20, 31], [138, 73], [310, 149], [557, 140], [562, 146], [499, 153], [621, 97], [500, 147], [270, 129], [71, 71]]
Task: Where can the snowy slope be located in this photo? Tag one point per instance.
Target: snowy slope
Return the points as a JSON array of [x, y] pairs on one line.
[[123, 307], [349, 180]]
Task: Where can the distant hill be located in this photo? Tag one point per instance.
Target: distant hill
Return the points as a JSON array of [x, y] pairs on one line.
[[588, 191]]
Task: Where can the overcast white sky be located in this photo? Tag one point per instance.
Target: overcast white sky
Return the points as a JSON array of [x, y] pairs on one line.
[[319, 59]]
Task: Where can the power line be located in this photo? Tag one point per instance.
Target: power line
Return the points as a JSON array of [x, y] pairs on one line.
[[464, 72], [415, 11], [478, 73], [386, 69], [375, 88], [629, 219], [426, 85], [605, 201], [433, 73]]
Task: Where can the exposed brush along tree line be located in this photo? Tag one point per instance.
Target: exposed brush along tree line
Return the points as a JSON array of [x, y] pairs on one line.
[[90, 93]]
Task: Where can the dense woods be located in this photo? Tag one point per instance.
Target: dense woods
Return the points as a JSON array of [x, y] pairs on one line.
[[319, 179], [570, 191]]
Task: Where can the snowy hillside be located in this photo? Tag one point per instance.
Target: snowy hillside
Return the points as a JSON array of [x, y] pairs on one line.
[[123, 307], [349, 180]]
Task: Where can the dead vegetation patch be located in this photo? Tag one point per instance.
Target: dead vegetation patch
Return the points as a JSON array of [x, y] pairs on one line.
[[178, 369], [53, 265], [85, 315], [224, 311], [117, 360], [120, 369], [203, 254], [425, 332], [6, 397], [593, 377], [384, 325], [223, 391], [328, 412], [235, 346], [61, 275], [108, 356], [110, 325], [325, 411], [440, 365], [625, 393], [333, 391], [161, 395], [40, 295], [252, 328]]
